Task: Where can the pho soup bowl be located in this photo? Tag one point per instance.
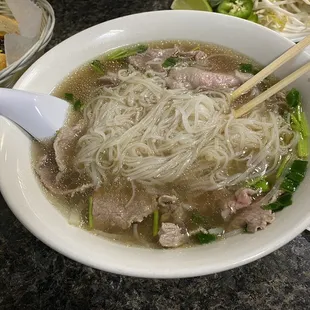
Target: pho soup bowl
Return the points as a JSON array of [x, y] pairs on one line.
[[28, 202]]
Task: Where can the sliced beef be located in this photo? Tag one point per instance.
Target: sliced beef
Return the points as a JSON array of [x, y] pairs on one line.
[[45, 169], [244, 196], [242, 199], [65, 143], [172, 210], [251, 218], [200, 58], [152, 58], [192, 78], [114, 207], [171, 236]]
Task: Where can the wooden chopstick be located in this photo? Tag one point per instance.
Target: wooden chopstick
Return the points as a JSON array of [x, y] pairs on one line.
[[289, 54], [272, 90]]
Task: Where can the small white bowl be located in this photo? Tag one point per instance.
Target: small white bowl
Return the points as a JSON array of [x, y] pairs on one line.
[[29, 204]]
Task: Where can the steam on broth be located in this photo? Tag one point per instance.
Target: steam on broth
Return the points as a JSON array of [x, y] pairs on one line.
[[152, 155]]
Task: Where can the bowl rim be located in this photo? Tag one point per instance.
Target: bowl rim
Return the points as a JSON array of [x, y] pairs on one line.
[[191, 272]]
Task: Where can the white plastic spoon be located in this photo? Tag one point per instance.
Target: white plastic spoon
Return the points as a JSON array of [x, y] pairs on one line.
[[40, 115]]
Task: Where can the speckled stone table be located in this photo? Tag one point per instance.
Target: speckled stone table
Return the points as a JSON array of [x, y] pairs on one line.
[[32, 276]]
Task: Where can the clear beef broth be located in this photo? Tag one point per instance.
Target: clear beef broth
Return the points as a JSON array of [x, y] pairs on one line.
[[82, 84], [84, 80]]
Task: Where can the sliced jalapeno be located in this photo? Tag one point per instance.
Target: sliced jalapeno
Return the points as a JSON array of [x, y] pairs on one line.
[[238, 8]]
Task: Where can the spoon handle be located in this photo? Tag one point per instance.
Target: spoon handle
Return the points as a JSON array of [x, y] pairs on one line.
[[40, 115]]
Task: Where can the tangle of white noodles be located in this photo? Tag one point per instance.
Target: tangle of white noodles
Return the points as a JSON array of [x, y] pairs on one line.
[[152, 135]]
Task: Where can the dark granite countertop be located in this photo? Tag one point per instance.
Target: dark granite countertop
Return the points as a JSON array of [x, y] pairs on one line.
[[32, 276]]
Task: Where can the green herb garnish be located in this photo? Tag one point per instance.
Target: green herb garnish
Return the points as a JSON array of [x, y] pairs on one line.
[[304, 125], [126, 52], [289, 185], [155, 223], [76, 103], [283, 201], [90, 213], [259, 183], [97, 66], [77, 106], [170, 62], [69, 97], [263, 185], [198, 219], [283, 164], [291, 181], [293, 98], [298, 121], [302, 147], [246, 68], [295, 176], [205, 238]]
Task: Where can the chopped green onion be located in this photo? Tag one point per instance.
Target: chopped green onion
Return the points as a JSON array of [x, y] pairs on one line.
[[304, 125], [289, 185], [283, 201], [126, 52], [273, 207], [259, 183], [254, 181], [77, 104], [205, 238], [97, 66], [69, 97], [284, 162], [90, 213], [198, 218], [293, 98], [296, 125], [298, 112], [155, 223], [296, 176], [302, 147], [300, 166], [246, 68], [170, 62], [196, 48], [263, 185]]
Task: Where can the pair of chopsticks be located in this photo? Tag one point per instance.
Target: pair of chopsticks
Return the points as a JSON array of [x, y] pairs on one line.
[[289, 54]]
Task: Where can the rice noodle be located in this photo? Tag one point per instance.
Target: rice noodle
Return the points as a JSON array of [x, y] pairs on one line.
[[152, 135]]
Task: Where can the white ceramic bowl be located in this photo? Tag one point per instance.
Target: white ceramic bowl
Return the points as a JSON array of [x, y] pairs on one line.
[[22, 193]]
